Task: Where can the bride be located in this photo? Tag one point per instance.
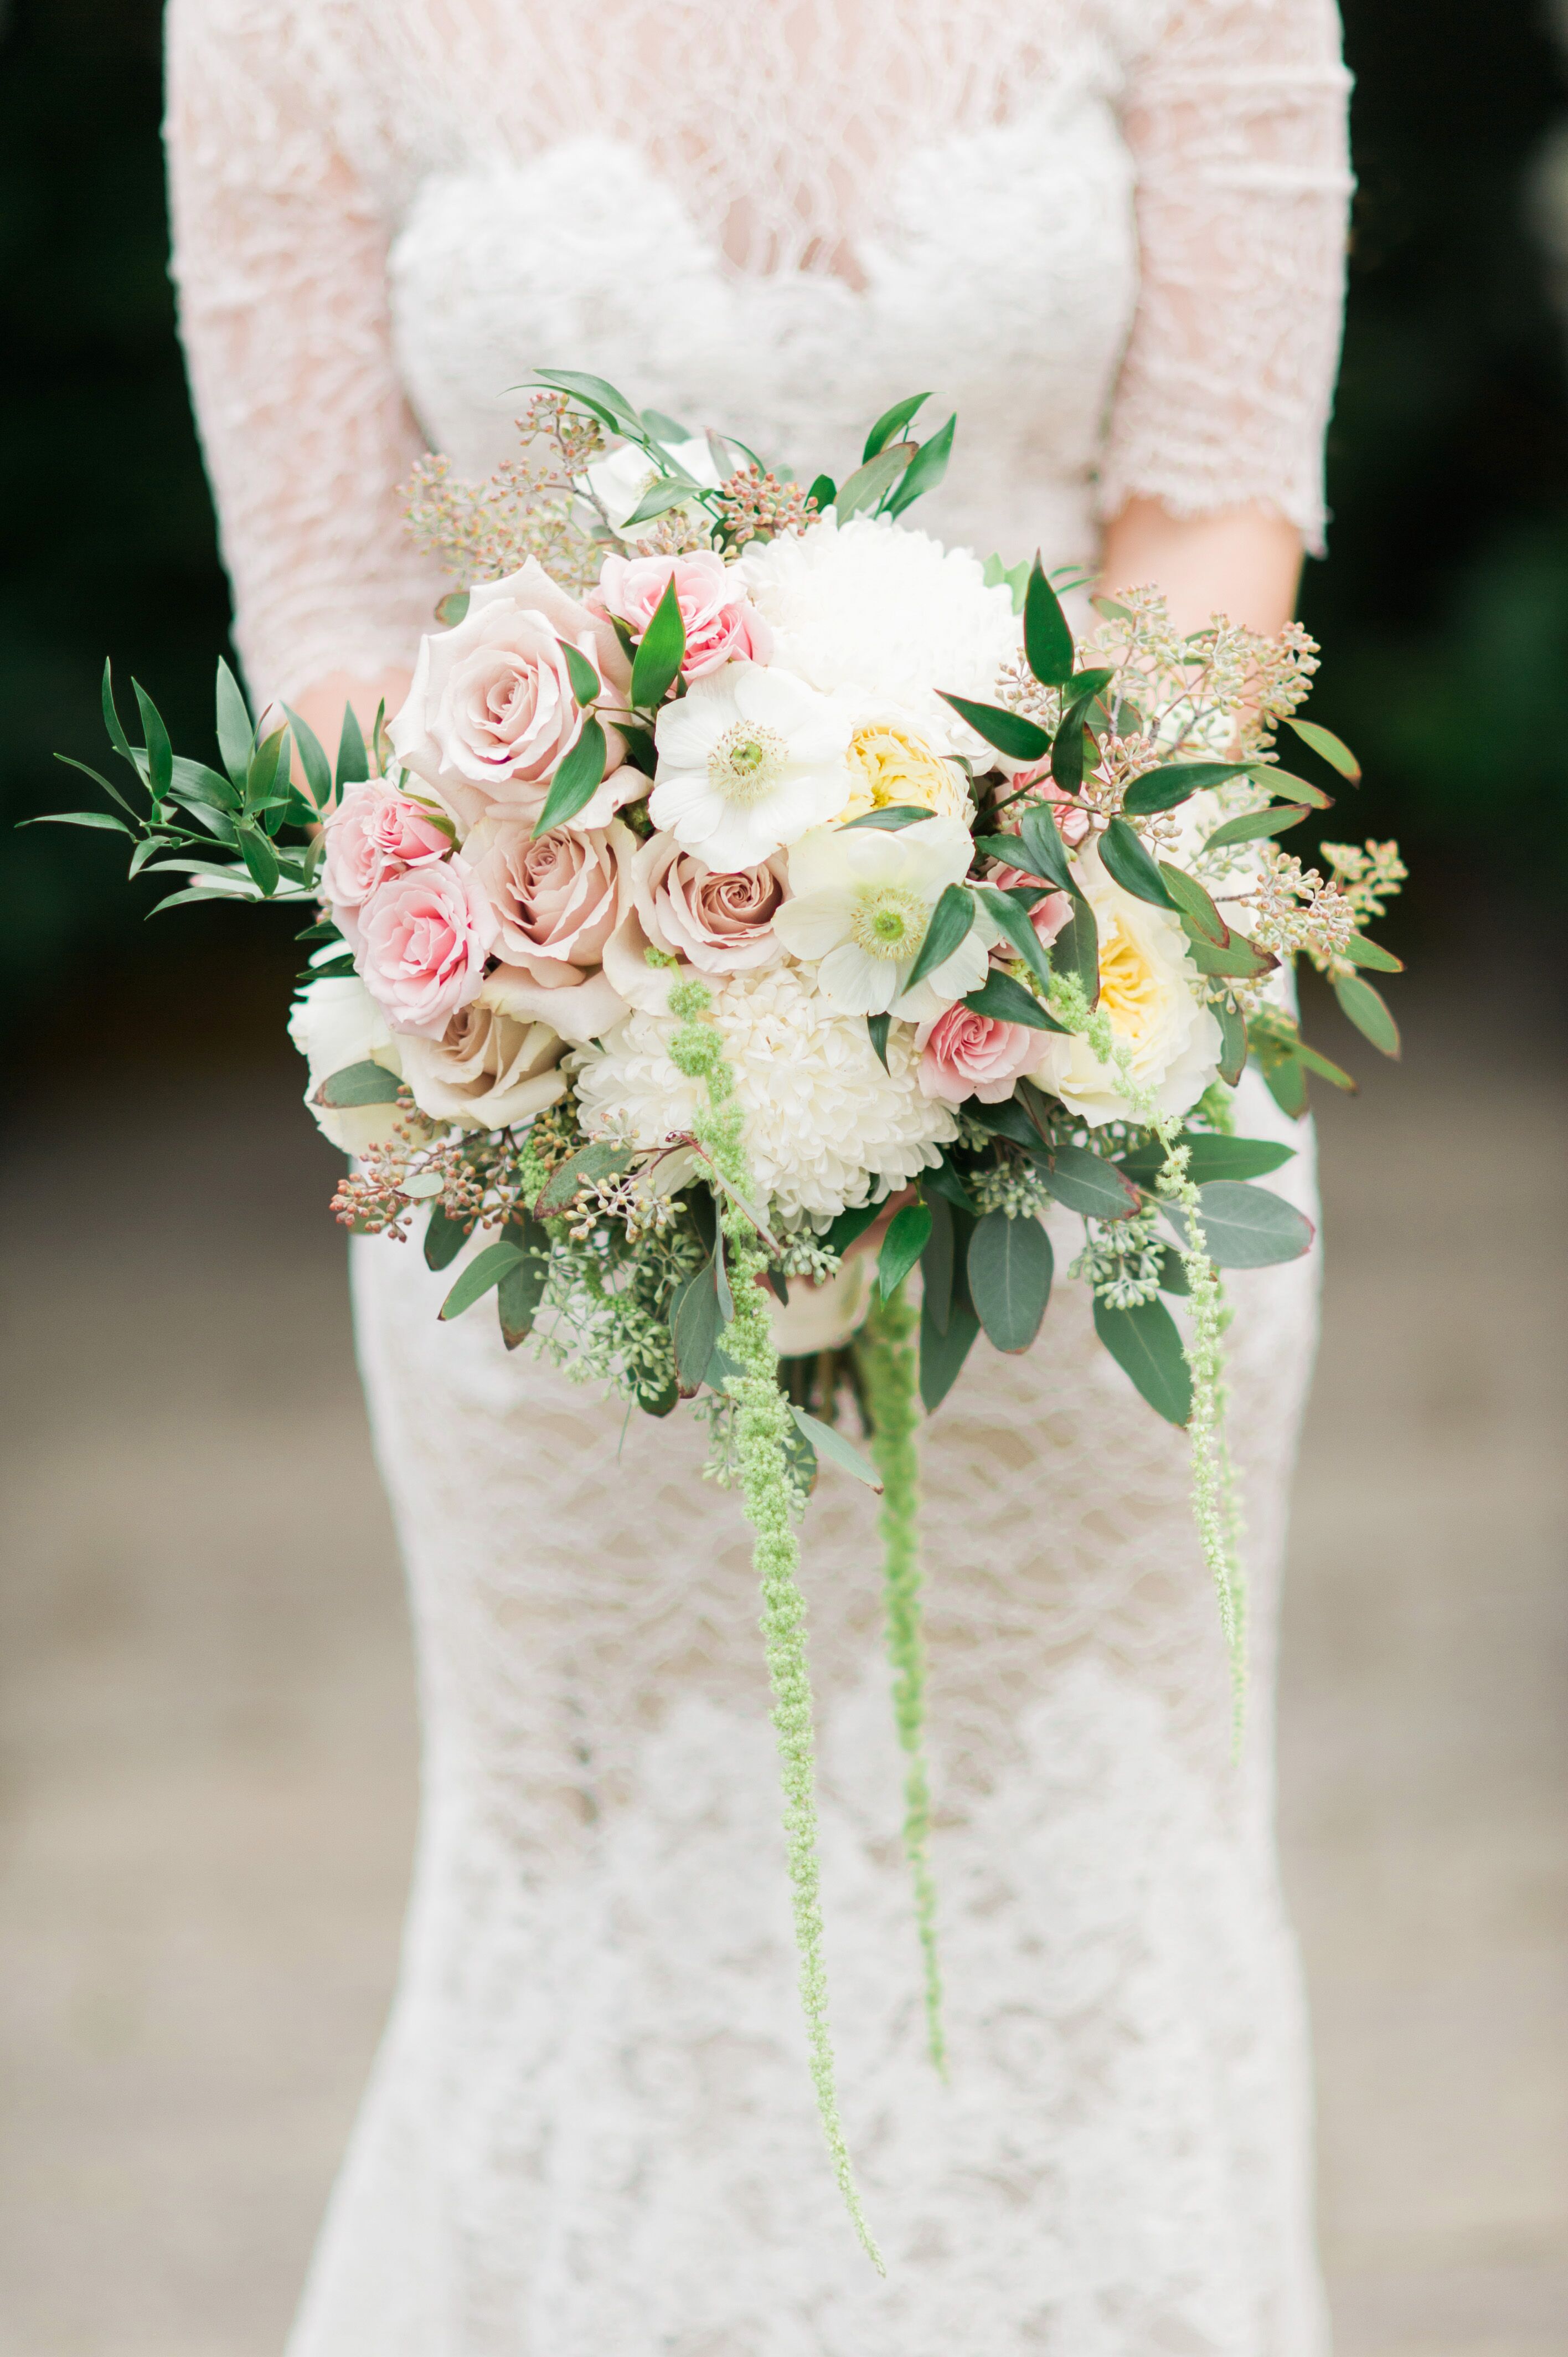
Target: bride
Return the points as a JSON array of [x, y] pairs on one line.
[[1112, 232]]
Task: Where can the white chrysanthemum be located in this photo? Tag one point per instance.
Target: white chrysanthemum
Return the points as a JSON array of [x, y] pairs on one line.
[[862, 902], [825, 1126], [748, 759], [878, 610], [1153, 994]]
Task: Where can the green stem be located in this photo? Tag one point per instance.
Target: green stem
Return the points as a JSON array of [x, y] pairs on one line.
[[764, 1424], [886, 1357]]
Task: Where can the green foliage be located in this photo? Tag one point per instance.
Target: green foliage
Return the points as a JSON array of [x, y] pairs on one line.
[[1009, 1266]]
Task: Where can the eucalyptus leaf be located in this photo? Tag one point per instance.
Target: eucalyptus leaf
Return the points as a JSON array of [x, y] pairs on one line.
[[1252, 826], [953, 921], [837, 1449], [522, 1290], [1195, 905], [577, 780], [1127, 862], [1146, 1344], [823, 490], [695, 1324], [657, 664], [1048, 635], [942, 1353], [1232, 1040], [1009, 1267], [1087, 1183], [661, 428], [1246, 1227], [849, 1225], [1211, 1156], [1020, 740], [1165, 788], [946, 1179], [585, 1168], [452, 608], [908, 1233], [1361, 952], [893, 421], [1239, 961], [939, 1263], [487, 1268], [444, 1238], [365, 1083], [1289, 789], [1368, 1010]]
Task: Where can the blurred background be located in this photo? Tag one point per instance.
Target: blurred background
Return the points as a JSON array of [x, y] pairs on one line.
[[206, 1726]]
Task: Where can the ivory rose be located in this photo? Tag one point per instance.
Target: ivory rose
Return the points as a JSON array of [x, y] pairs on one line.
[[963, 1054], [424, 937], [372, 832], [720, 620], [491, 711], [557, 898], [335, 1023], [719, 920], [486, 1069]]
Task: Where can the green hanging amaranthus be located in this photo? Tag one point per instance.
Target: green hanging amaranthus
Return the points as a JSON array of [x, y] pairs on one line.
[[888, 1365], [763, 1428]]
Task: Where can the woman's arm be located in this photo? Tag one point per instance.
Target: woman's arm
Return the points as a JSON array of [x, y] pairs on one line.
[[1245, 562], [280, 258]]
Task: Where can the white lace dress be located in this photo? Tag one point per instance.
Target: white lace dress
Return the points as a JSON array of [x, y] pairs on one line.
[[1110, 232]]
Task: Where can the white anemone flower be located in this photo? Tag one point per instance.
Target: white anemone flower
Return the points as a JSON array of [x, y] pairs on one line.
[[861, 905], [621, 481], [748, 759]]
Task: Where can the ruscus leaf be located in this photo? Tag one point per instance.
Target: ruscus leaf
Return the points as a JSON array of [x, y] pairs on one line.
[[1165, 788], [1127, 862], [893, 421], [353, 761], [1048, 635], [908, 1232], [953, 921], [236, 738], [444, 1238], [1020, 740], [925, 469], [160, 752], [876, 1027], [1007, 1001], [657, 664], [892, 817], [585, 682], [577, 780]]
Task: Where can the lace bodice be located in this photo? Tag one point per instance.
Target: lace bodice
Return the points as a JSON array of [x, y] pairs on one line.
[[1110, 231]]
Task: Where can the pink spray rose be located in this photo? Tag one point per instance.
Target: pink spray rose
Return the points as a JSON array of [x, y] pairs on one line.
[[1073, 824], [491, 711], [719, 920], [424, 937], [720, 622], [557, 898], [374, 832], [967, 1055]]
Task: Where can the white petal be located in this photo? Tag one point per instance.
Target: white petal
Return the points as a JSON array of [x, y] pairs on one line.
[[812, 926], [687, 731], [848, 978]]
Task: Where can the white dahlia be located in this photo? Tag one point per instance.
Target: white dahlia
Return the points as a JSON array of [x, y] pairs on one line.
[[874, 610], [748, 759], [861, 909], [825, 1126], [1153, 994]]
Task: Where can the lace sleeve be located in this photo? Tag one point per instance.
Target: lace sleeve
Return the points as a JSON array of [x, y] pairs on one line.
[[280, 262], [1237, 119]]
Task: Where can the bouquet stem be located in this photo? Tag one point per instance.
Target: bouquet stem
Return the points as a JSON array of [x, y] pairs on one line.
[[886, 1356]]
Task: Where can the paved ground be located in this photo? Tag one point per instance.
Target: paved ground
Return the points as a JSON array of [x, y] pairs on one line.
[[206, 1757]]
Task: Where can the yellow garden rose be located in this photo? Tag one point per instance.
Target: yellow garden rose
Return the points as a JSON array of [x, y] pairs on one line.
[[890, 764]]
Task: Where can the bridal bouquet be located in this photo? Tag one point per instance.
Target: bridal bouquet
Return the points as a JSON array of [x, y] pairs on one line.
[[755, 902]]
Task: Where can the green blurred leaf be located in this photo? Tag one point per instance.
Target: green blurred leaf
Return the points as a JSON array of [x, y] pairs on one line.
[[892, 817], [595, 394], [1076, 949], [1368, 1010], [1048, 635], [452, 608], [1361, 952], [868, 483], [953, 921], [893, 421], [1128, 863], [1146, 1343], [1253, 825], [522, 1288], [849, 1225], [365, 1083], [160, 752], [1210, 1157], [694, 1326], [1289, 789], [485, 1268], [657, 664], [939, 1263], [585, 1168], [1196, 909], [942, 1353], [1020, 740], [1009, 1267], [577, 780], [1332, 750], [353, 761], [908, 1233], [947, 1180], [444, 1238]]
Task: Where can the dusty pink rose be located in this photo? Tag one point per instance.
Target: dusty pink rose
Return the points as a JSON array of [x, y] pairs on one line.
[[720, 622], [491, 711], [424, 939], [719, 920], [1048, 915], [374, 832], [557, 898], [967, 1055]]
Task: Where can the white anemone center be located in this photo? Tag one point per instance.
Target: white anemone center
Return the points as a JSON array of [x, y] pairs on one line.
[[889, 922], [747, 763]]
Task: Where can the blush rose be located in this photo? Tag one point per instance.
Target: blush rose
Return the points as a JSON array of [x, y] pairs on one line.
[[963, 1054], [372, 833], [720, 622], [719, 920], [557, 898], [424, 939]]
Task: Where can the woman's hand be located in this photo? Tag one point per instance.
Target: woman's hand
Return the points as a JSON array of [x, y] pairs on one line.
[[1245, 564]]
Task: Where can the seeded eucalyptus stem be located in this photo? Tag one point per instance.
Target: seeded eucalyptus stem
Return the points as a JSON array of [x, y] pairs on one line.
[[763, 1427], [886, 1356]]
